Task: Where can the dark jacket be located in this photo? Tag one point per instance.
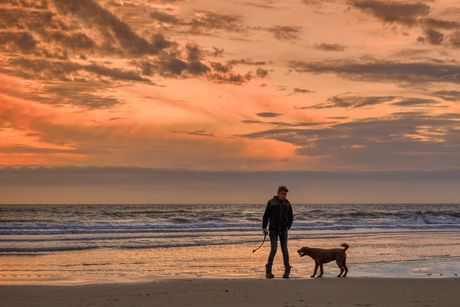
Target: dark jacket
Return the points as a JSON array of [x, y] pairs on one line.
[[279, 214]]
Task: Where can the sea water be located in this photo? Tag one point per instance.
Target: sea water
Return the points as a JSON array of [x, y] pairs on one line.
[[62, 244]]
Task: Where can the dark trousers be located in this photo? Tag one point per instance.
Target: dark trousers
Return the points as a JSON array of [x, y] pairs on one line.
[[283, 235]]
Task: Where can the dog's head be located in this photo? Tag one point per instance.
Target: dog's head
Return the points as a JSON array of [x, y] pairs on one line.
[[304, 251]]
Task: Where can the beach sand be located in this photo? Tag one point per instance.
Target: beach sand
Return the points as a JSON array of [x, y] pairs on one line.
[[330, 291]]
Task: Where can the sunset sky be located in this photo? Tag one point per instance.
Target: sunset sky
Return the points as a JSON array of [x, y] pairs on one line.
[[221, 101]]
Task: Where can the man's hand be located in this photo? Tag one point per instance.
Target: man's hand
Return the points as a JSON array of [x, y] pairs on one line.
[[265, 231]]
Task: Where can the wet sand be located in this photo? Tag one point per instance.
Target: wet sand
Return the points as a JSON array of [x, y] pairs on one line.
[[330, 291]]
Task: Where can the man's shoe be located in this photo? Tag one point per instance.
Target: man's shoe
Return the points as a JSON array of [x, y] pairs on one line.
[[287, 271], [268, 271]]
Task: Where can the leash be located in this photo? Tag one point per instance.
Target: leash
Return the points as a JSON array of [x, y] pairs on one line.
[[262, 243]]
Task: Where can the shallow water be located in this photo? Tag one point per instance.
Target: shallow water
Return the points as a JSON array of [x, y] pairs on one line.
[[390, 255]]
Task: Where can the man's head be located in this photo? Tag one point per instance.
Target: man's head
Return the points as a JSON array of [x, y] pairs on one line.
[[282, 192]]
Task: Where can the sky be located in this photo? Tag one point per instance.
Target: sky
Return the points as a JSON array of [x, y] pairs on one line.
[[213, 101]]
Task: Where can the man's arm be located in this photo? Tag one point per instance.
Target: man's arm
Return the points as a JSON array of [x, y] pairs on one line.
[[290, 217], [266, 217]]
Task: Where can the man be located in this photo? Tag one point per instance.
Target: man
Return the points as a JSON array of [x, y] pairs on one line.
[[279, 214]]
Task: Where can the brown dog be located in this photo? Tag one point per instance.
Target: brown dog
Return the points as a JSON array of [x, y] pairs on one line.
[[321, 256]]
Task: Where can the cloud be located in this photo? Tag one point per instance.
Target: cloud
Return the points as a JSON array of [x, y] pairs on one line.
[[412, 15], [22, 16], [330, 47], [88, 96], [192, 63], [170, 66], [268, 114], [316, 2], [145, 185], [299, 90], [295, 124], [414, 102], [164, 17], [51, 41], [68, 70], [246, 62], [206, 20], [230, 78], [87, 71], [70, 42], [223, 73], [217, 52], [407, 139], [219, 67], [75, 41], [252, 122], [411, 53], [261, 73], [454, 39], [227, 68], [432, 23], [169, 1], [351, 102], [448, 95], [17, 41], [21, 149], [220, 73], [194, 57], [432, 36], [79, 185], [110, 27], [280, 124], [264, 6], [382, 71], [29, 4], [61, 176], [285, 33], [406, 14], [197, 133], [104, 176]]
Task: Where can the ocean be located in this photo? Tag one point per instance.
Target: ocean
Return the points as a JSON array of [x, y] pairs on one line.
[[74, 244]]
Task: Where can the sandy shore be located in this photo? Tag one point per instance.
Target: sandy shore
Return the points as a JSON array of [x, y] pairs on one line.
[[243, 292]]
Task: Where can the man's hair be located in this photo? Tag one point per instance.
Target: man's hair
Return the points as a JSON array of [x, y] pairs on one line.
[[282, 188]]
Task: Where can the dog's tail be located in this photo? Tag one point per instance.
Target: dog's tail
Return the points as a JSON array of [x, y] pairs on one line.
[[345, 245]]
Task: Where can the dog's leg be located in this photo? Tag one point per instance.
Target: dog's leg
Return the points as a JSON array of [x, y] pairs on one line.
[[316, 269], [339, 262], [345, 266], [321, 270]]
